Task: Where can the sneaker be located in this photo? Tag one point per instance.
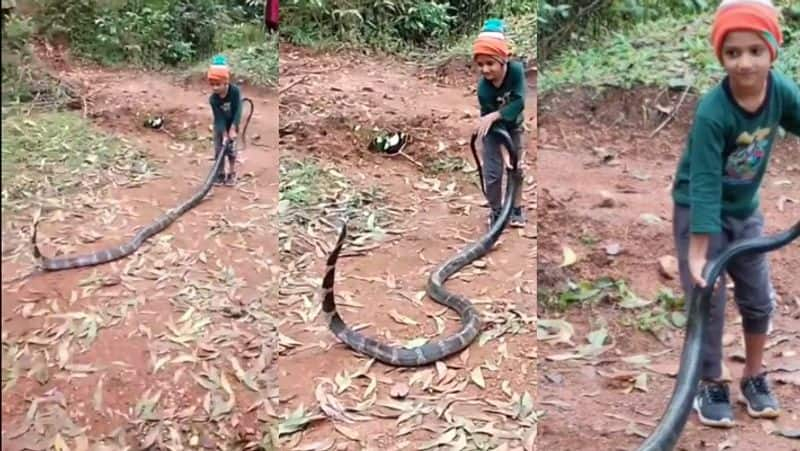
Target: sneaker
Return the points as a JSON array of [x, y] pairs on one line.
[[230, 179], [758, 398], [517, 218], [712, 404], [219, 179]]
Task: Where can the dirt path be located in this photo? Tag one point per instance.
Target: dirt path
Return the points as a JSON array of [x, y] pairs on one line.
[[326, 119], [588, 147], [174, 345]]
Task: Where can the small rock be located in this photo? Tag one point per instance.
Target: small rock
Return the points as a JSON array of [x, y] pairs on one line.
[[555, 378], [649, 219], [613, 248], [668, 266], [608, 200]]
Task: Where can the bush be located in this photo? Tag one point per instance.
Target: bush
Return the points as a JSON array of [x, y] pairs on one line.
[[580, 23], [148, 32], [391, 25], [17, 76]]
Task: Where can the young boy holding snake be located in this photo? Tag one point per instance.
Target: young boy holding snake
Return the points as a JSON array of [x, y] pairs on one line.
[[501, 96], [226, 106], [715, 195]]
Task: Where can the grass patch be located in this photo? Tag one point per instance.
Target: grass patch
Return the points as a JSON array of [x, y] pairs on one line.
[[666, 52], [446, 164], [58, 153], [668, 311], [603, 289], [302, 182], [310, 192]]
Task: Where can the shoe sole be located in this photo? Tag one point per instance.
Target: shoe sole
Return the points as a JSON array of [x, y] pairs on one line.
[[769, 412], [517, 225], [728, 423]]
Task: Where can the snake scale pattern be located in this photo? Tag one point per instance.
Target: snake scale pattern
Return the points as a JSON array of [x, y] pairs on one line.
[[441, 348], [162, 222]]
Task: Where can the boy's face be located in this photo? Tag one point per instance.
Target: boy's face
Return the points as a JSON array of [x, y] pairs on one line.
[[746, 58], [491, 68], [219, 87]]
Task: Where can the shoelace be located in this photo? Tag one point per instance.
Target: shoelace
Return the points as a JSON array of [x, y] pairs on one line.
[[760, 385], [717, 393]]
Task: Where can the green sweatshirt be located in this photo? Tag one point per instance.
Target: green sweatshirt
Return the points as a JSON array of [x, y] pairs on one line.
[[727, 152], [227, 111], [509, 98]]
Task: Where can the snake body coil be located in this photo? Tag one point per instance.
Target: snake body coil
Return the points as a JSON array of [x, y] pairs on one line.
[[437, 349], [677, 412], [161, 223]]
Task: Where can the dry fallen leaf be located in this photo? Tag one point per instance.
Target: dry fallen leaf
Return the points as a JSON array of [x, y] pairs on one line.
[[399, 390], [350, 433], [665, 368], [320, 445], [477, 377]]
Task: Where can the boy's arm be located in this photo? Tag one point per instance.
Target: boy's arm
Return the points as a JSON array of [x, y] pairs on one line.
[[514, 107], [706, 146], [791, 115], [219, 116], [484, 99]]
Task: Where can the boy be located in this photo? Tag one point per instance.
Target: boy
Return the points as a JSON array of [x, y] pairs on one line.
[[226, 104], [501, 96], [716, 195]]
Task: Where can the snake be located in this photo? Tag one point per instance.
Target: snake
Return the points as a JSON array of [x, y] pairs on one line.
[[162, 222], [668, 430], [440, 348]]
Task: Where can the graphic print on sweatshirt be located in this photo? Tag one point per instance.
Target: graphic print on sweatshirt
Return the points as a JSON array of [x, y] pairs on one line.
[[744, 163], [503, 100]]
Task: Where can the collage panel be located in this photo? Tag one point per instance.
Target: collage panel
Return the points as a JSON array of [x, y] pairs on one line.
[[667, 126], [138, 261], [415, 329]]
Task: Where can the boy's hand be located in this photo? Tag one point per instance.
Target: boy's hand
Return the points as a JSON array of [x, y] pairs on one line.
[[698, 249], [485, 123], [696, 266]]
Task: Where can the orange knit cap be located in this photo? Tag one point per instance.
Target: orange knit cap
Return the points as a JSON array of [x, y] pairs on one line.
[[218, 74], [219, 70], [491, 41], [744, 15], [494, 47]]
